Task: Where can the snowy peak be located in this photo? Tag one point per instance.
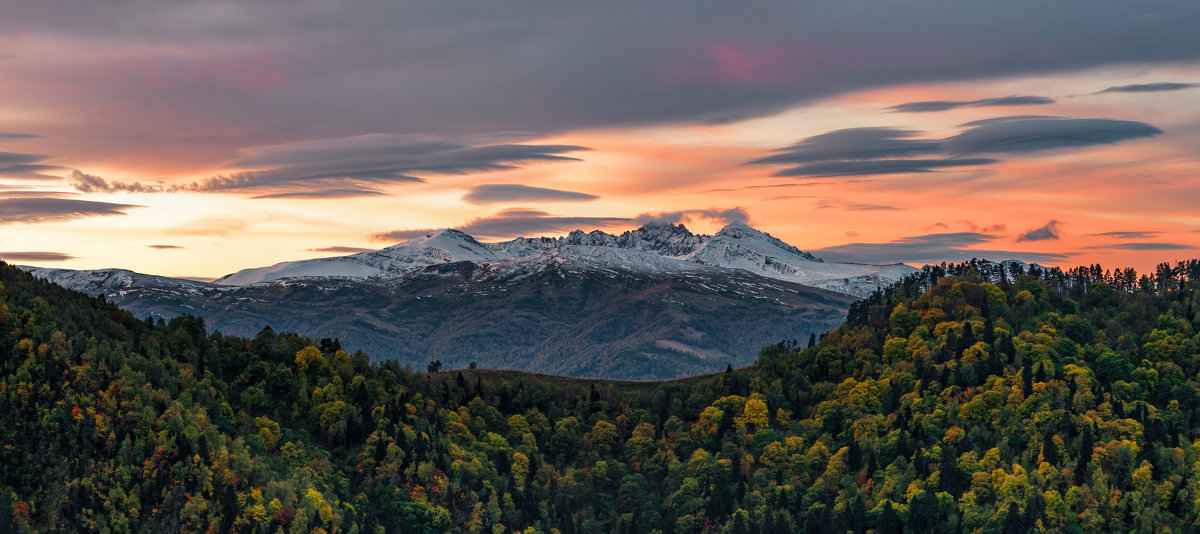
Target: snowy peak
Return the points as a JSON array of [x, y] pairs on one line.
[[107, 280], [664, 239], [442, 246], [655, 247], [763, 242], [448, 239], [738, 246]]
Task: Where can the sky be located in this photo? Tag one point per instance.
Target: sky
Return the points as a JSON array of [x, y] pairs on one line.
[[196, 138]]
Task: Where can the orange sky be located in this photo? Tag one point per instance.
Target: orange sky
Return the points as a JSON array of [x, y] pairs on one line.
[[1105, 192]]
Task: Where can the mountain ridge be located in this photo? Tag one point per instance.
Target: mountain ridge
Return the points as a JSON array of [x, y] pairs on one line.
[[736, 246], [650, 303]]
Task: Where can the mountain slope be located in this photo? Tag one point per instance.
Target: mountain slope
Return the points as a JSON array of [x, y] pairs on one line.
[[566, 318], [655, 302]]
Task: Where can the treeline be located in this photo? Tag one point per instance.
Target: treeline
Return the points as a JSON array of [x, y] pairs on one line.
[[967, 398]]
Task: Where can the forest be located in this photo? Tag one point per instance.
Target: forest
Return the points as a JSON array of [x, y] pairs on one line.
[[976, 397]]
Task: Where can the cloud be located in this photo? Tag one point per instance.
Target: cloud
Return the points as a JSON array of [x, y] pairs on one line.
[[987, 229], [518, 222], [943, 105], [1145, 246], [395, 236], [35, 256], [165, 247], [498, 193], [319, 194], [88, 183], [341, 250], [828, 169], [862, 152], [724, 216], [1032, 134], [17, 165], [1148, 87], [765, 186], [1128, 235], [347, 166], [883, 151], [768, 186], [1050, 230], [513, 223], [854, 144], [37, 194], [930, 248], [828, 203], [255, 68], [17, 135], [41, 210]]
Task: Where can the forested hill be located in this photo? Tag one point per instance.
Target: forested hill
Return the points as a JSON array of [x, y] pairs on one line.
[[966, 399]]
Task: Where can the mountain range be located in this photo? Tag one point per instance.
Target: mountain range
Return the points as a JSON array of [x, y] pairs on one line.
[[655, 302]]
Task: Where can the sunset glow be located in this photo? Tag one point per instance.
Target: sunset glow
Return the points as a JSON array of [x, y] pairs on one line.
[[190, 143]]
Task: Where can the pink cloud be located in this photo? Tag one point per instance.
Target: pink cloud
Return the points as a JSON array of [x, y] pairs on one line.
[[735, 63], [744, 65]]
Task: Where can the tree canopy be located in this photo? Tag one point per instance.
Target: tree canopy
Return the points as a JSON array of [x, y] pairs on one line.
[[967, 398]]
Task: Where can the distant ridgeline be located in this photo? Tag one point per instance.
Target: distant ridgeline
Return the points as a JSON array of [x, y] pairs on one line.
[[967, 398]]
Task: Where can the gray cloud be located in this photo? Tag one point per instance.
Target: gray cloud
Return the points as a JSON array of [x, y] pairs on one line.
[[17, 135], [930, 248], [1032, 134], [341, 250], [854, 144], [17, 165], [827, 169], [1145, 246], [724, 216], [1050, 230], [165, 247], [881, 151], [348, 166], [1128, 235], [943, 105], [272, 69], [862, 152], [498, 193], [333, 193], [88, 183], [35, 256], [40, 210], [1148, 87]]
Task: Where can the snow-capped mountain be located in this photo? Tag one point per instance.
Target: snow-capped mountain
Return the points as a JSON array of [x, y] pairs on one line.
[[658, 247], [443, 246], [655, 302]]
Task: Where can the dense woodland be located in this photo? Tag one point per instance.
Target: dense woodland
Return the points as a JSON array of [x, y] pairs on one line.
[[968, 398]]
